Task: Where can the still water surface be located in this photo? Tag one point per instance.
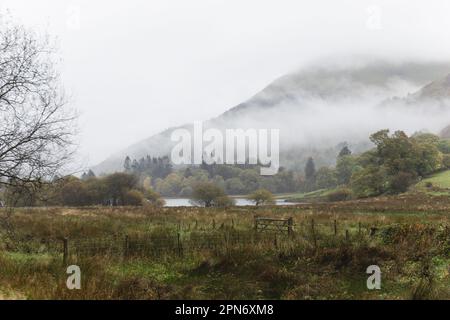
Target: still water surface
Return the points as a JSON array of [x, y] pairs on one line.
[[184, 202]]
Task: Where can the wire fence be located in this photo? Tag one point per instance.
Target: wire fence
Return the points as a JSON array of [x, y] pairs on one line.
[[177, 244], [183, 242]]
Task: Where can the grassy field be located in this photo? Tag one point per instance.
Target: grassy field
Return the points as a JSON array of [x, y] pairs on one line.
[[437, 184], [313, 196], [197, 253]]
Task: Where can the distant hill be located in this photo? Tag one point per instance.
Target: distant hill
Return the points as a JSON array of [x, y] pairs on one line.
[[445, 133], [438, 90], [320, 108]]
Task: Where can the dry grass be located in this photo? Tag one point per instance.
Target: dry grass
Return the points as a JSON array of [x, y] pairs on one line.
[[411, 245]]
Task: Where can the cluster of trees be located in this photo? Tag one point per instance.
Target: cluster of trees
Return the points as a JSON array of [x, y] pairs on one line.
[[328, 177], [396, 162], [118, 189], [155, 167], [231, 179], [112, 190]]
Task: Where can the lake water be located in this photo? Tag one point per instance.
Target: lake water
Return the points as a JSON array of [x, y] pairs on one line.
[[184, 202]]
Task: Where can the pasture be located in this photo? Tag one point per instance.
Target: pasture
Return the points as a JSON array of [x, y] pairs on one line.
[[209, 253], [437, 184]]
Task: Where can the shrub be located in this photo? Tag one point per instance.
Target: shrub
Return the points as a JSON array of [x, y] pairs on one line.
[[208, 194], [133, 198], [138, 288], [400, 182], [261, 197], [446, 161], [73, 192], [154, 198], [224, 201]]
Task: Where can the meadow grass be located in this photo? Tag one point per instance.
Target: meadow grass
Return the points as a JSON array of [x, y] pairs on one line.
[[437, 185], [411, 245]]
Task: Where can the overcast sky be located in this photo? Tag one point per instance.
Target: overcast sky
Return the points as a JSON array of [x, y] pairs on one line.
[[134, 68]]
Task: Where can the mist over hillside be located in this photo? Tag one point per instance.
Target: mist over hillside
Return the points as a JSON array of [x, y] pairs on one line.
[[320, 108]]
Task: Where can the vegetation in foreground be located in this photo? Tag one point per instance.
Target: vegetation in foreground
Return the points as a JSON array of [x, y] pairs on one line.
[[409, 239]]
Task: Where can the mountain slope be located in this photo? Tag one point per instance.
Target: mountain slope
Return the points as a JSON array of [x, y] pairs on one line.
[[438, 90], [445, 133], [319, 107]]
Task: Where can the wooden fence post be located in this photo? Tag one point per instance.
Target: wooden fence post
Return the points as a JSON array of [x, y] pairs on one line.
[[275, 242], [290, 224], [126, 246], [313, 230], [347, 235], [226, 242], [65, 250], [180, 249], [335, 227]]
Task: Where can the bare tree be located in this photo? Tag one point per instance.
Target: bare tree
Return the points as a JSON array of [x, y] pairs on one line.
[[36, 126]]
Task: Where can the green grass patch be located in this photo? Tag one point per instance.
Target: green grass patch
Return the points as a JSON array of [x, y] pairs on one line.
[[317, 195], [25, 258], [164, 272], [438, 180]]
